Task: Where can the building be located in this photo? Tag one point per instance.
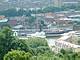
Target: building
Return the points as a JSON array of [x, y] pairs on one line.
[[3, 21], [64, 43], [57, 3]]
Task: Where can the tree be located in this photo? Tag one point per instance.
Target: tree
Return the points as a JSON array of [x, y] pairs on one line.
[[41, 25], [10, 12], [31, 21], [52, 9], [37, 45], [17, 55], [21, 12], [69, 55], [19, 45], [6, 38]]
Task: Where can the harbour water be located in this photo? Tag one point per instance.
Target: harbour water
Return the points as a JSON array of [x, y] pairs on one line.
[[54, 37]]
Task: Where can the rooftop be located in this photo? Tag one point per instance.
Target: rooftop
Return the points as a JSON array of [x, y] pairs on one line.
[[3, 20]]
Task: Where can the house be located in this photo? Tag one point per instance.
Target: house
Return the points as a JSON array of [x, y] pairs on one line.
[[3, 21]]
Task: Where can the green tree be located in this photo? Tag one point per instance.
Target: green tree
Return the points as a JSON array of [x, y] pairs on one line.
[[17, 55], [37, 45], [10, 12], [20, 45], [21, 12], [6, 39], [69, 55], [52, 9], [31, 21]]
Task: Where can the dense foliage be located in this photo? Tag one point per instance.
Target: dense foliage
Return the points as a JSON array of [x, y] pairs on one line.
[[6, 39], [14, 12], [17, 55], [12, 48]]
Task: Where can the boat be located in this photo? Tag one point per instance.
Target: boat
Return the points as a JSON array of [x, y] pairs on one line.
[[56, 32], [37, 34]]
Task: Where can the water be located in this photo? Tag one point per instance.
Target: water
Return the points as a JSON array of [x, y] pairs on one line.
[[53, 38]]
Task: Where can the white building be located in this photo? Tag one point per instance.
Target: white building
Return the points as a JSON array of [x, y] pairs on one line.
[[62, 43]]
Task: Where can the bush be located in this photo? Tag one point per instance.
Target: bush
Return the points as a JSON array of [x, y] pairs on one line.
[[17, 55]]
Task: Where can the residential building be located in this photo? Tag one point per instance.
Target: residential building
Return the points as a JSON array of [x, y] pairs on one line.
[[3, 21], [57, 3]]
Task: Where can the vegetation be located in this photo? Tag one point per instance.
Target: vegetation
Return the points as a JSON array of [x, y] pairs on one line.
[[21, 12], [6, 39], [11, 48], [31, 21], [17, 55]]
